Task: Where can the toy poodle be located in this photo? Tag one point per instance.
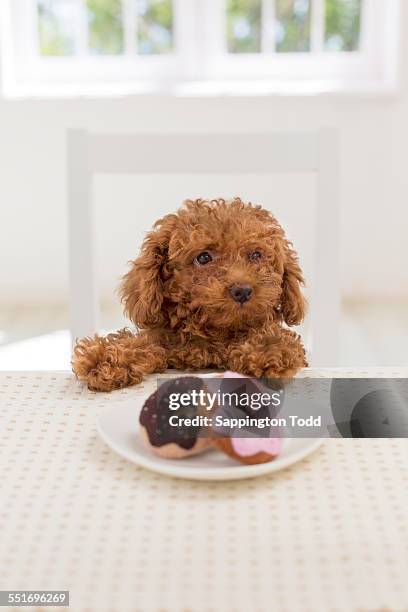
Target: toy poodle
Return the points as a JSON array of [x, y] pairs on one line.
[[212, 288]]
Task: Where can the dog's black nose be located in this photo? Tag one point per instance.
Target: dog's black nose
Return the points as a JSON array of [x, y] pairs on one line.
[[241, 293]]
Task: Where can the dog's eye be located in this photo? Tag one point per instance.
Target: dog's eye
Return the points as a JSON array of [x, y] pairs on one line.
[[203, 258], [255, 255]]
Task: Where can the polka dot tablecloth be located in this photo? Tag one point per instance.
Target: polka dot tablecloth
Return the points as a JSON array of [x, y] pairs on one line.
[[328, 534]]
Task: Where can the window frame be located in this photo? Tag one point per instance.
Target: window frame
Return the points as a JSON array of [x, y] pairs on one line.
[[200, 58], [31, 67], [367, 63]]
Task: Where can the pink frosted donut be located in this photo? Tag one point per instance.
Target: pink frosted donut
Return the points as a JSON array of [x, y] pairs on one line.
[[253, 449], [250, 450]]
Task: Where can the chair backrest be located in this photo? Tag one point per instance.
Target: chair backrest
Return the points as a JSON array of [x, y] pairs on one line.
[[276, 152]]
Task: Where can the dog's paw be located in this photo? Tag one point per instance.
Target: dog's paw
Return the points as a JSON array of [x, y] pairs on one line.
[[284, 364], [103, 365]]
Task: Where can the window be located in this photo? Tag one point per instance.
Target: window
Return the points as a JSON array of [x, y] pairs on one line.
[[219, 41], [104, 27]]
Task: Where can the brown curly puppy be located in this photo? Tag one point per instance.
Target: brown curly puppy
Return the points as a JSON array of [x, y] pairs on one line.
[[212, 288]]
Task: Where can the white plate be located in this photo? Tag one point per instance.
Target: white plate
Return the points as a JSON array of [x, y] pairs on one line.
[[118, 426]]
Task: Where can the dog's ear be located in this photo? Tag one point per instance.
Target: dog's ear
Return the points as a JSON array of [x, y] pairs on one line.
[[141, 290], [293, 304]]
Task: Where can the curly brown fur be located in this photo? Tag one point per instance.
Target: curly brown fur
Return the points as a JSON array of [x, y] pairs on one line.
[[185, 311]]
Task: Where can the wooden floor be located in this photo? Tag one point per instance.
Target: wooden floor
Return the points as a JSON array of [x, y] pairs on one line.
[[35, 337]]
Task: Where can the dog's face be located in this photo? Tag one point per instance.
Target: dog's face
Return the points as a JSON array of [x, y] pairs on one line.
[[214, 265]]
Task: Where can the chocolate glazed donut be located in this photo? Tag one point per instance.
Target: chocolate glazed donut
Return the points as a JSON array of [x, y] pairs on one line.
[[173, 441]]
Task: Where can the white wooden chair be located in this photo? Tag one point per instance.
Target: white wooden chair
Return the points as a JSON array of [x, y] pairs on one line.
[[288, 152]]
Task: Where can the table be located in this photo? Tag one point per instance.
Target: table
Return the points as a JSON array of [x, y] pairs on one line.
[[328, 534]]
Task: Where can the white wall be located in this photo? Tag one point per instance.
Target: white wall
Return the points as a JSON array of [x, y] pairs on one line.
[[374, 178]]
